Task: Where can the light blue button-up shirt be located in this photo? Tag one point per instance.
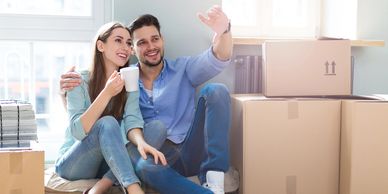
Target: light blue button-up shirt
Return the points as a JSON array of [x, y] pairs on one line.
[[173, 93], [78, 101]]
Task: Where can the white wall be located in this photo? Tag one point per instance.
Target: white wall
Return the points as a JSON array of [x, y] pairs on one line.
[[183, 32], [371, 63]]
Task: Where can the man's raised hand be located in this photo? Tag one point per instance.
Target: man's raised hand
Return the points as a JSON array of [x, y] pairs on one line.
[[216, 19]]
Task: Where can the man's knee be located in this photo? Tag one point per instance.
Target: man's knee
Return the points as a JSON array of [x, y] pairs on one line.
[[155, 133], [156, 127], [148, 168], [215, 92]]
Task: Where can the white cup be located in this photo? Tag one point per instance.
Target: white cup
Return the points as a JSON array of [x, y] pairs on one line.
[[131, 78]]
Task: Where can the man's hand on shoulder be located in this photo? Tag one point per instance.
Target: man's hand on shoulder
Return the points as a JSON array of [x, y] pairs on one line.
[[69, 80]]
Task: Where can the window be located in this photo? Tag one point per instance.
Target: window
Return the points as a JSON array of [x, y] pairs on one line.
[[273, 18], [292, 18], [47, 7], [339, 18], [36, 46]]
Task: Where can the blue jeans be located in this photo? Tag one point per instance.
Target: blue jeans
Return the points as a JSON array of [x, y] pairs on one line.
[[205, 147], [101, 150]]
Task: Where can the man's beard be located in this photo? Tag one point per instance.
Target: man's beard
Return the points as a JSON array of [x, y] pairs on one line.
[[150, 64]]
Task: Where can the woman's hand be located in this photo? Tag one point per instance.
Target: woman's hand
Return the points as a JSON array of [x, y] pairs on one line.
[[114, 85], [145, 149]]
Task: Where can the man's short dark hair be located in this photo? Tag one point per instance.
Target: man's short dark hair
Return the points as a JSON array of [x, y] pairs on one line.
[[144, 20]]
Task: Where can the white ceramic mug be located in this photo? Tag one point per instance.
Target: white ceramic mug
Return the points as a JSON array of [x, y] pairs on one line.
[[131, 78]]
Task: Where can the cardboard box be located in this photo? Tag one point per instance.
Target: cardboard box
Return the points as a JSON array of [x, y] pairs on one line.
[[286, 146], [364, 147], [22, 172], [307, 68]]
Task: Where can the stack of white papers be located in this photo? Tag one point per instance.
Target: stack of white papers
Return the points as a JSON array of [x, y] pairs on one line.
[[17, 123]]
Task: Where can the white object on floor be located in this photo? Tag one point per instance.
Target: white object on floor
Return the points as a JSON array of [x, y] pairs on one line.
[[215, 181]]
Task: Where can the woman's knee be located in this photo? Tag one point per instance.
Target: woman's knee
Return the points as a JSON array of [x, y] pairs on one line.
[[107, 119], [108, 124]]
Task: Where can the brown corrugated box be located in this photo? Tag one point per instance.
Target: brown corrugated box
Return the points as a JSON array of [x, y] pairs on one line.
[[22, 172], [286, 146], [364, 147], [307, 68]]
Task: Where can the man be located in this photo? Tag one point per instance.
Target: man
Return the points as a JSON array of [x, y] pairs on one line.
[[197, 138]]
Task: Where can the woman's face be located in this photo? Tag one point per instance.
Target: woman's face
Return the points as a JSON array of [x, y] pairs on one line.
[[117, 48]]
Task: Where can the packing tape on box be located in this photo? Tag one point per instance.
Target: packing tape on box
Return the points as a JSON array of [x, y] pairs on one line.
[[16, 163], [290, 184], [293, 110]]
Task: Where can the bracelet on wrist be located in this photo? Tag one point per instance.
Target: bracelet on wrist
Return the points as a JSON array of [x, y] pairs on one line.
[[227, 29]]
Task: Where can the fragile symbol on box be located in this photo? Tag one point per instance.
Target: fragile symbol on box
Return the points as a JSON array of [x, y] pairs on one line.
[[327, 65]]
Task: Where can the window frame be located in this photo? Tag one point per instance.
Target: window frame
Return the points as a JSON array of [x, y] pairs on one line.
[[55, 27]]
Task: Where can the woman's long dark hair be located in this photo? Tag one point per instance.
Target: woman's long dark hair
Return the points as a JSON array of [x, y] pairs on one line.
[[98, 77]]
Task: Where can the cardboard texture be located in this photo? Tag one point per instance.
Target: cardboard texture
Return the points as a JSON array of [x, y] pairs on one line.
[[22, 172], [364, 147], [286, 146], [307, 68]]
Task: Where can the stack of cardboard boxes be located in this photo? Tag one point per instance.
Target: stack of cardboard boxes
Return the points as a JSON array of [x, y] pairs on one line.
[[288, 144]]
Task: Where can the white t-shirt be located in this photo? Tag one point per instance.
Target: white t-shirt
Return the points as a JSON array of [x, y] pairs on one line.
[[149, 92]]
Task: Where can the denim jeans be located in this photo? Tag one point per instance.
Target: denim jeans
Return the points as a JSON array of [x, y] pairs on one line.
[[101, 150], [205, 147]]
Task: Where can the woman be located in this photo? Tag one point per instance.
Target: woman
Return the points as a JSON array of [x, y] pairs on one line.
[[94, 145]]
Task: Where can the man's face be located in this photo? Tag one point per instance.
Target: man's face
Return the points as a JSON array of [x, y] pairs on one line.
[[148, 46]]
